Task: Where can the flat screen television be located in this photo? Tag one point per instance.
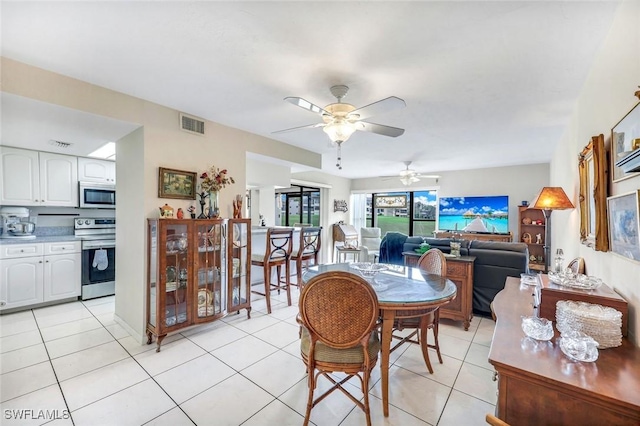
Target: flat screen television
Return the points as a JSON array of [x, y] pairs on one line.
[[489, 214]]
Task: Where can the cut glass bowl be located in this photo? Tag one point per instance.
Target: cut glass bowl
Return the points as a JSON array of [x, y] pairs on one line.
[[537, 328], [368, 270]]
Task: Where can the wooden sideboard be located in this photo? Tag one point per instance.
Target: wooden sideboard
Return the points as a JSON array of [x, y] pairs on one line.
[[539, 385], [474, 236], [460, 271]]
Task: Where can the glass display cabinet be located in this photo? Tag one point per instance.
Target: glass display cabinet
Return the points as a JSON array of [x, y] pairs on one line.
[[194, 275], [239, 266]]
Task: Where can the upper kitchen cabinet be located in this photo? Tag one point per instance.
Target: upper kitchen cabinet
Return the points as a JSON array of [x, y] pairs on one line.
[[92, 170], [31, 178]]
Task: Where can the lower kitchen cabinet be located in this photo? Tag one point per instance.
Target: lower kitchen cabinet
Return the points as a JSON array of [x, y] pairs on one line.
[[35, 273]]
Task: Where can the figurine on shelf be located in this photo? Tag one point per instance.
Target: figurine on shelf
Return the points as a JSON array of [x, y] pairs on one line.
[[166, 212], [538, 238], [237, 207], [263, 222], [192, 211], [180, 213]]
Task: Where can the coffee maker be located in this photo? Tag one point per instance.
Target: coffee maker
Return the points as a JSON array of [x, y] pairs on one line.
[[11, 219]]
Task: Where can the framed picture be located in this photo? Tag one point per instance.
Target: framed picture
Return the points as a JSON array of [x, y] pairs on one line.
[[624, 224], [622, 137], [176, 184], [391, 201], [593, 195]]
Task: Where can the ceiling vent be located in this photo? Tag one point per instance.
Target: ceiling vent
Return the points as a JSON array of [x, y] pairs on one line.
[[60, 144], [191, 124]]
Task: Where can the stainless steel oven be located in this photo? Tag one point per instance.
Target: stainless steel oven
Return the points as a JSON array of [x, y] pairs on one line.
[[98, 256], [97, 195]]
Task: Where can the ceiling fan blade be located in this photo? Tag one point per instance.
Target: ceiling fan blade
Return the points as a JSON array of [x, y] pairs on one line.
[[305, 104], [379, 107], [427, 176], [379, 129], [308, 126]]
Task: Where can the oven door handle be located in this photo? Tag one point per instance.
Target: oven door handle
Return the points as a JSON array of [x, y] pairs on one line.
[[98, 244]]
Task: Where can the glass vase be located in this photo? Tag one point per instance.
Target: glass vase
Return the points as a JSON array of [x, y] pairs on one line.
[[214, 211]]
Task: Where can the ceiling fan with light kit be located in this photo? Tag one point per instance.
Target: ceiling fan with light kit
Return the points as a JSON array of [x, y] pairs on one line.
[[340, 120], [409, 176]]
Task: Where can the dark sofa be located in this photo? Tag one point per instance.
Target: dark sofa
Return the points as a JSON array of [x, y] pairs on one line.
[[495, 261]]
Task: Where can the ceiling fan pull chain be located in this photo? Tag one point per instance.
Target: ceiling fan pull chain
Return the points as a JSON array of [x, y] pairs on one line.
[[339, 162]]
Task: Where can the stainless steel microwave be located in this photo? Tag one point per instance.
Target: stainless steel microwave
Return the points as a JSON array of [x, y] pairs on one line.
[[97, 195]]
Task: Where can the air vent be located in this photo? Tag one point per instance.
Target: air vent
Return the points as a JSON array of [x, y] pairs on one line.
[[191, 124], [60, 144]]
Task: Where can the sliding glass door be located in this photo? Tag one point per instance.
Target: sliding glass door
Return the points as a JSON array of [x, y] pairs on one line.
[[299, 206]]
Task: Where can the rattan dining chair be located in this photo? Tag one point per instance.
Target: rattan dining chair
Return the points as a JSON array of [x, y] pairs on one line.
[[335, 337], [431, 262], [278, 246], [577, 266], [307, 251]]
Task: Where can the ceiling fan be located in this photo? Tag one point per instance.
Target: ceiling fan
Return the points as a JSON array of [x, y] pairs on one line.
[[340, 120], [409, 176]]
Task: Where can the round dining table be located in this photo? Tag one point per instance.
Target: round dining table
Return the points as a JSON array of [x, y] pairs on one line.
[[402, 292]]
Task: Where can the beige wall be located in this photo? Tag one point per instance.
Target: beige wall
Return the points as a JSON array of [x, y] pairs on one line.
[[518, 182], [606, 97], [159, 143]]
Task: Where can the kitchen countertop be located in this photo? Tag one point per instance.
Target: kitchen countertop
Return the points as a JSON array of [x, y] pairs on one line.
[[38, 239]]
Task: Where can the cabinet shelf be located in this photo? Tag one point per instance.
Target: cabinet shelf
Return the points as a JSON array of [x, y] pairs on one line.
[[214, 280], [535, 249]]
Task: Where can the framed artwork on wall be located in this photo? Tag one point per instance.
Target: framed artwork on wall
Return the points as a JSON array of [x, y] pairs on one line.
[[593, 195], [622, 136], [624, 224], [176, 184]]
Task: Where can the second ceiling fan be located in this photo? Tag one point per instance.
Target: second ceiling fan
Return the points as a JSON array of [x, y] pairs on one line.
[[340, 120], [409, 176]]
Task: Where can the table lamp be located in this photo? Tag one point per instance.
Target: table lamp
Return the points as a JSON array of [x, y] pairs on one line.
[[550, 198]]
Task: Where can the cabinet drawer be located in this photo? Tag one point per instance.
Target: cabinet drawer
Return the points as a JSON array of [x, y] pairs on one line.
[[456, 269], [12, 251], [62, 247]]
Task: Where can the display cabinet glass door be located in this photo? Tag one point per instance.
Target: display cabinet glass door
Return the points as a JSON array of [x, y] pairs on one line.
[[239, 265], [175, 276], [210, 269]]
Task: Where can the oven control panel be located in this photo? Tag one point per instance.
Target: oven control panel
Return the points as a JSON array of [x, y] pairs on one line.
[[94, 223]]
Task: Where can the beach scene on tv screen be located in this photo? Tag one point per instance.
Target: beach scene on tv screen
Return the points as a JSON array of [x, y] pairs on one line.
[[474, 214]]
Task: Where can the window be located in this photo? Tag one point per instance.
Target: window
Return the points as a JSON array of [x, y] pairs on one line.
[[297, 205], [411, 213]]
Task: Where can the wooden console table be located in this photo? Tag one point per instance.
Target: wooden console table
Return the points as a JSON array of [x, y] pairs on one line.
[[474, 236], [539, 385], [460, 271]]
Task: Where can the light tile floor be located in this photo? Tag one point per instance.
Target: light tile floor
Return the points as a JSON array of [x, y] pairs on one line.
[[74, 358]]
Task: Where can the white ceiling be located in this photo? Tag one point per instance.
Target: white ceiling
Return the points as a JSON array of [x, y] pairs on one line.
[[486, 84]]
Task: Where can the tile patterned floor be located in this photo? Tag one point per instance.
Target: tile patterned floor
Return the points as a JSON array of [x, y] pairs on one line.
[[74, 358]]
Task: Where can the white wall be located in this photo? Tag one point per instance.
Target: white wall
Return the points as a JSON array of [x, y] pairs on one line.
[[606, 97], [518, 182]]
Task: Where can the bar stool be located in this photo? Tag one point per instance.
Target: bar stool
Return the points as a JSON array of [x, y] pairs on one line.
[[277, 253], [308, 250]]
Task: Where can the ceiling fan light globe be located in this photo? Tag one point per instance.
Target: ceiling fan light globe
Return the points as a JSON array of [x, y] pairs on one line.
[[339, 130]]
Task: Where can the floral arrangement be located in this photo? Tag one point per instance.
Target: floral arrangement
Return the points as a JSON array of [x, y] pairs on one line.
[[214, 179]]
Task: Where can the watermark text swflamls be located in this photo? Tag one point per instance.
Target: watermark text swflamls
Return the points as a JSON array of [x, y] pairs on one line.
[[31, 414]]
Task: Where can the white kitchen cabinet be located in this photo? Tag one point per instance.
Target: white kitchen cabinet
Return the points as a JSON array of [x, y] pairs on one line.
[[39, 272], [58, 180], [20, 173], [32, 178], [93, 170], [22, 280]]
